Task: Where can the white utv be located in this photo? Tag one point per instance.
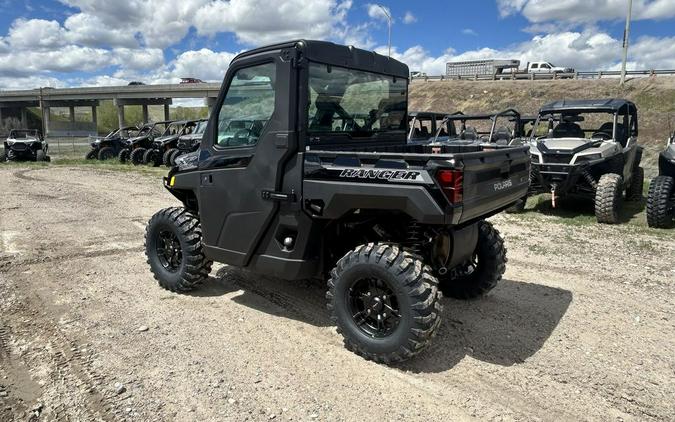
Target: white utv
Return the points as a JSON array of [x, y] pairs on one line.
[[588, 148]]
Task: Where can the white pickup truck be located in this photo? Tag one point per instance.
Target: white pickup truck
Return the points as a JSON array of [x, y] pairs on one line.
[[546, 67]]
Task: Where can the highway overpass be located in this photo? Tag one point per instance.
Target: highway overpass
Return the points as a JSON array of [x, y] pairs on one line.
[[143, 95]]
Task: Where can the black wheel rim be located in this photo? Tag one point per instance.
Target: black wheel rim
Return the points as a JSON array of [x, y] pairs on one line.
[[373, 307], [466, 270], [169, 251]]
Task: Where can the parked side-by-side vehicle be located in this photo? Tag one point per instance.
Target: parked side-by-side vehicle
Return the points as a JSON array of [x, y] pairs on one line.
[[305, 171], [25, 145], [135, 147], [110, 146], [661, 195], [588, 148]]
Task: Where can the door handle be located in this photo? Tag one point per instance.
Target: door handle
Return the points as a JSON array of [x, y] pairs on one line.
[[278, 196]]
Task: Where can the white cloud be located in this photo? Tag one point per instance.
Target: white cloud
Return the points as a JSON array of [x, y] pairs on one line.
[[203, 64], [409, 18], [375, 12], [585, 11], [255, 22], [138, 59], [36, 33], [469, 31], [89, 30]]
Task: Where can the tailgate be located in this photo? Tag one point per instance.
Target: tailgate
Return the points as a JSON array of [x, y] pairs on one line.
[[494, 180]]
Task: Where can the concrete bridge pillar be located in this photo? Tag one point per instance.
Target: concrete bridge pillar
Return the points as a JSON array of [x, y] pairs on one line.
[[45, 119], [145, 113], [0, 116], [94, 118], [24, 118], [120, 116], [210, 102], [166, 111]]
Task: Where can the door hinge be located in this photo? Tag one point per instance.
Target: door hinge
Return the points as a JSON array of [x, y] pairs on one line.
[[279, 196]]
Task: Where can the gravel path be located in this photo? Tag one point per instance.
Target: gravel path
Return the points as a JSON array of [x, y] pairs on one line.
[[581, 327]]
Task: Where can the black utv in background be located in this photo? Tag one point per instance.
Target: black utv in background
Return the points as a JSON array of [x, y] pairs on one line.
[[500, 128], [110, 146], [25, 145], [137, 146], [588, 148], [166, 146], [189, 142], [661, 196], [305, 171]]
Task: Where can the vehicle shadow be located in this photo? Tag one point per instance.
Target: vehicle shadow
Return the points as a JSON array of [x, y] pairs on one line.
[[505, 328], [577, 206]]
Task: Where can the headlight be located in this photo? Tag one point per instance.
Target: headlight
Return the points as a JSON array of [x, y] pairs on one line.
[[535, 158], [10, 143], [588, 157]]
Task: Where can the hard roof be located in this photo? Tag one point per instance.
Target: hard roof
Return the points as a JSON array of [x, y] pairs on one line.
[[338, 55], [610, 104]]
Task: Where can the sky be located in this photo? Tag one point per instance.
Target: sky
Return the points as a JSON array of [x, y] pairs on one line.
[[63, 43]]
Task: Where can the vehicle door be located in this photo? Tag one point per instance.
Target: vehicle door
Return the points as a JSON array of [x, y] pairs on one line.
[[626, 134], [244, 153]]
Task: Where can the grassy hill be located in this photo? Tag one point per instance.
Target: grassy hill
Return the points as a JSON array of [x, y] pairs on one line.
[[654, 97]]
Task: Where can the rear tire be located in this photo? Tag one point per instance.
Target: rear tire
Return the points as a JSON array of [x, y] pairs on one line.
[[476, 278], [91, 155], [661, 203], [136, 156], [173, 246], [634, 190], [399, 317], [123, 156], [608, 198], [106, 153], [166, 158]]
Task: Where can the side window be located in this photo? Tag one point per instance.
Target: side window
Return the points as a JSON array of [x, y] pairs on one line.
[[247, 107], [535, 66]]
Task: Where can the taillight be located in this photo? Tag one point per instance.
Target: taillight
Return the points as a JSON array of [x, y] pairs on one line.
[[452, 184]]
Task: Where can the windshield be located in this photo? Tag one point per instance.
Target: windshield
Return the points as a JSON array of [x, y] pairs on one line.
[[172, 129], [22, 134], [577, 124], [201, 127], [355, 103]]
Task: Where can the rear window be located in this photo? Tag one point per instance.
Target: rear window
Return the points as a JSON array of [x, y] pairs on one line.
[[355, 103]]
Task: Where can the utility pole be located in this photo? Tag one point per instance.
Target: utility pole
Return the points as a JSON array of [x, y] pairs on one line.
[[626, 34], [388, 16]]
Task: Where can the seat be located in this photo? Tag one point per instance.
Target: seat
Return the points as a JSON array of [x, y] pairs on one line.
[[568, 130], [501, 136], [470, 133]]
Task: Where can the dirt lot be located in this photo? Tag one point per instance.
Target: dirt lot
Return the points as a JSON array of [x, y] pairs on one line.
[[580, 329]]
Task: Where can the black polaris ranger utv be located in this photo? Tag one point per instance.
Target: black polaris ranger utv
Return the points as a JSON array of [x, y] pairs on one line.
[[111, 145], [588, 148], [25, 145], [279, 186], [661, 196], [499, 128], [189, 142], [138, 145], [165, 145], [423, 125]]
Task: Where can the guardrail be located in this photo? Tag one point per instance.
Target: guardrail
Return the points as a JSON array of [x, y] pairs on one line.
[[549, 76]]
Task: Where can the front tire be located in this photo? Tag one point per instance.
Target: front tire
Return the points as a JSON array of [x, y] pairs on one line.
[[385, 302], [634, 191], [608, 198], [661, 203], [106, 153], [486, 268], [175, 155], [173, 246], [91, 155], [136, 156]]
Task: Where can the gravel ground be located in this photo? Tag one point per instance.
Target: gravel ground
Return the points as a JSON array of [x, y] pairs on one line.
[[581, 328]]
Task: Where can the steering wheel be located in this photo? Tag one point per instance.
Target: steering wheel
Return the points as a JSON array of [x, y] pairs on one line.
[[601, 135]]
